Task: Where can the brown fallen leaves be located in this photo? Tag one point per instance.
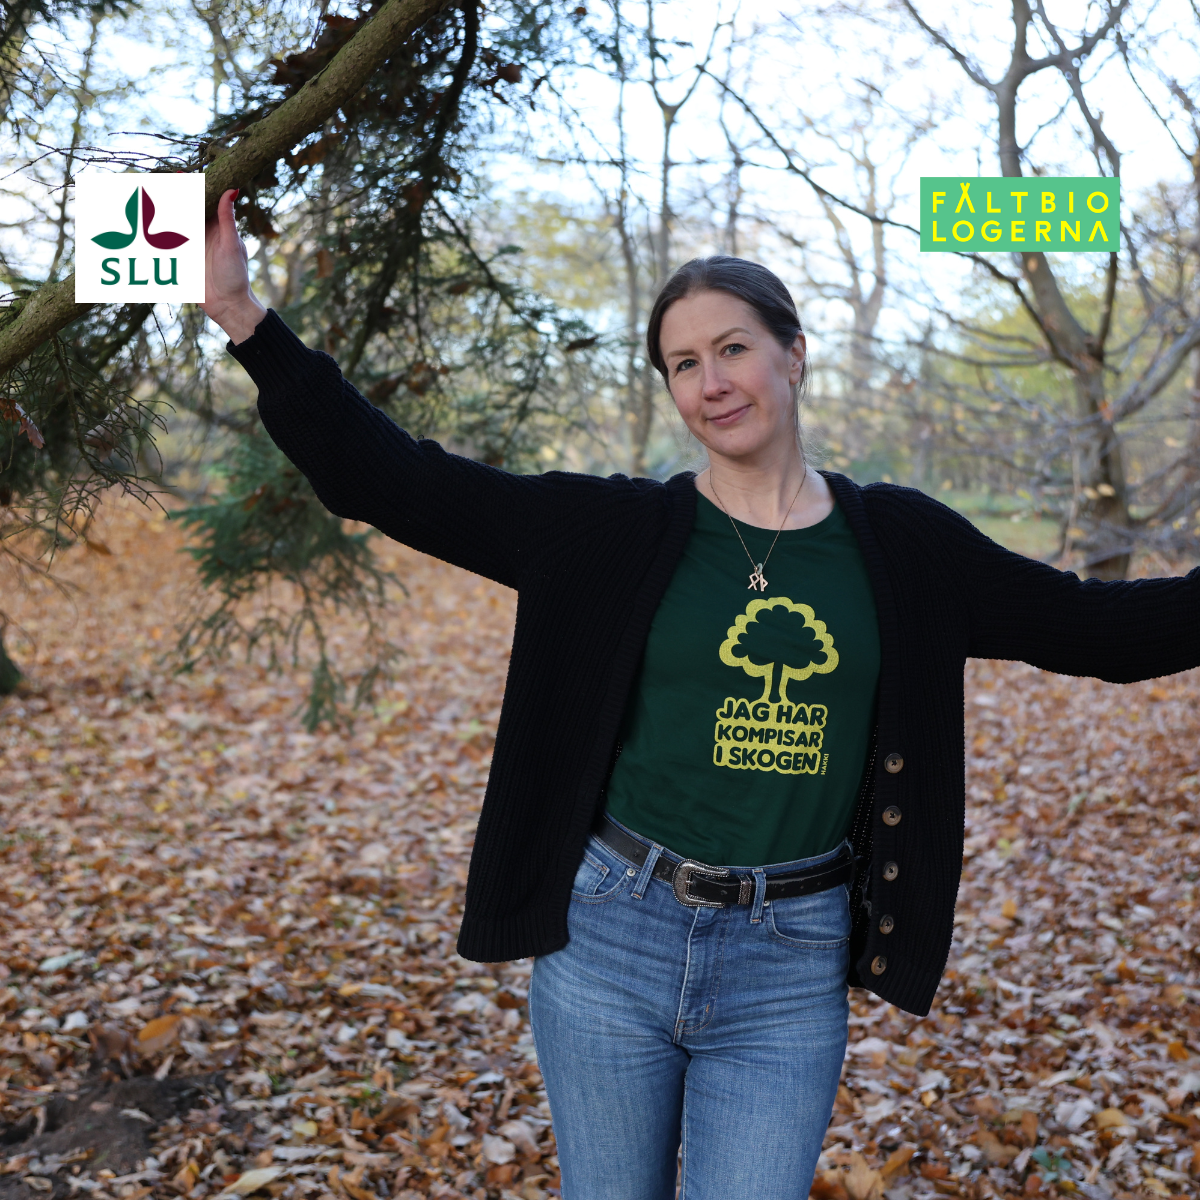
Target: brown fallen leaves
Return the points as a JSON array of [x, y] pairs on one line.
[[1063, 1055], [192, 885], [193, 888]]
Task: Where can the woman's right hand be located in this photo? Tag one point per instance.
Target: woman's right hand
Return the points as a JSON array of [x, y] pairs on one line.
[[228, 299]]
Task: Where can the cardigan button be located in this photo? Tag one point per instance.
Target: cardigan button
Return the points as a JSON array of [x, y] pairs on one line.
[[887, 924], [890, 871], [894, 763], [891, 815], [878, 965]]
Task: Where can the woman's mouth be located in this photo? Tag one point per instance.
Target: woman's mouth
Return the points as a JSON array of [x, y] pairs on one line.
[[728, 418]]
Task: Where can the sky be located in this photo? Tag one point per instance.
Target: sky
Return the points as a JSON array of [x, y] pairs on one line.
[[799, 69]]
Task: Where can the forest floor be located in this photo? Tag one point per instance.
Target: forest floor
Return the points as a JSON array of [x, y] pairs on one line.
[[227, 956]]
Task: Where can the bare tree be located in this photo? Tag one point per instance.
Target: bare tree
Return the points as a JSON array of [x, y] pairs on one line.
[[1100, 525], [1175, 104], [224, 52], [670, 114], [646, 273], [863, 284], [639, 386], [735, 191]]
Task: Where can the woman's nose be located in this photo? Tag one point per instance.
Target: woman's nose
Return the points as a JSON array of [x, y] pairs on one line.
[[715, 383]]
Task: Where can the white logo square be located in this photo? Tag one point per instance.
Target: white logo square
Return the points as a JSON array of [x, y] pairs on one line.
[[139, 238]]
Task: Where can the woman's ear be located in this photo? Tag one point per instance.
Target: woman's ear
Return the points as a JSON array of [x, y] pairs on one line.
[[797, 355]]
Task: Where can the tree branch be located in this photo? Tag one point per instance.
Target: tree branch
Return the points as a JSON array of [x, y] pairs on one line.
[[1159, 374], [53, 305], [1172, 85], [795, 170], [1106, 309], [1071, 73], [878, 220], [973, 72]]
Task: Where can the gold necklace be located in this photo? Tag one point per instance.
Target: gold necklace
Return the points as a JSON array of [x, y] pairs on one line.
[[757, 579]]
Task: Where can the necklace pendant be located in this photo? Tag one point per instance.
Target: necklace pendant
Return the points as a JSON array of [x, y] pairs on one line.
[[758, 579]]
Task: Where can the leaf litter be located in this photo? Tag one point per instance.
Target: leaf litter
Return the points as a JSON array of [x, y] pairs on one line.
[[227, 960]]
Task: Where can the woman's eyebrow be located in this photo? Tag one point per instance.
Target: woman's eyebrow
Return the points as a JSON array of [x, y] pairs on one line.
[[733, 329], [719, 338]]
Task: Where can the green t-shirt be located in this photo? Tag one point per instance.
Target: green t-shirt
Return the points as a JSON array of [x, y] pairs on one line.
[[746, 734]]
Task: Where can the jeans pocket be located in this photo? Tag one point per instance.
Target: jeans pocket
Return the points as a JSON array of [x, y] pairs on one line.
[[822, 919], [600, 874]]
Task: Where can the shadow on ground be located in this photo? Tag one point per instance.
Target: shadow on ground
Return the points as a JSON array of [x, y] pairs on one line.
[[106, 1126]]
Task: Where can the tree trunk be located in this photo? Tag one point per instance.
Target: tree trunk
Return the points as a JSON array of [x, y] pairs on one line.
[[10, 674], [1194, 413], [1100, 505], [642, 394], [639, 385], [1103, 511]]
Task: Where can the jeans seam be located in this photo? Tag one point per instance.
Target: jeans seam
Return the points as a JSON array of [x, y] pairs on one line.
[[680, 1024], [683, 1142], [612, 893], [718, 975], [805, 943], [787, 941], [760, 892], [647, 872], [615, 890], [604, 869]]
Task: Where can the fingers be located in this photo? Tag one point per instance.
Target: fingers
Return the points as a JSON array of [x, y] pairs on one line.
[[225, 215]]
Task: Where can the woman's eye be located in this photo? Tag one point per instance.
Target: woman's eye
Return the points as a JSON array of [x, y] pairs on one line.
[[734, 348], [684, 364]]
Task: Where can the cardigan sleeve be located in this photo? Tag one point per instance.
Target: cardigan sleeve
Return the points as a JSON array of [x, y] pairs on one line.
[[364, 467], [1025, 610]]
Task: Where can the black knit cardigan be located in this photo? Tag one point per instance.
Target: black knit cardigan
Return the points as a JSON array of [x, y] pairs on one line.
[[590, 559]]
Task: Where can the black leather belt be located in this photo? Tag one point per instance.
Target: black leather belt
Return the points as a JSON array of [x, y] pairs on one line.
[[700, 886]]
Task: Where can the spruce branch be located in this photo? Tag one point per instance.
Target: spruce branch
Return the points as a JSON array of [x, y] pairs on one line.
[[40, 316]]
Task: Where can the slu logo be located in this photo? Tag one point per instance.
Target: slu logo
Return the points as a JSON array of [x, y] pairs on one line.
[[117, 240], [139, 239], [160, 241]]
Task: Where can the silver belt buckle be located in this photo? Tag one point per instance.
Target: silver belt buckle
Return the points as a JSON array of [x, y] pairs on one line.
[[683, 876]]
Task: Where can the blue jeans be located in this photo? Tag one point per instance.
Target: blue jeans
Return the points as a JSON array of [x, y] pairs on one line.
[[721, 1029]]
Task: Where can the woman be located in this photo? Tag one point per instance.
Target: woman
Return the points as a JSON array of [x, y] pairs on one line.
[[704, 674]]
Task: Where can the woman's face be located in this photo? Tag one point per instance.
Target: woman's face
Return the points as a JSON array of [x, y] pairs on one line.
[[730, 379]]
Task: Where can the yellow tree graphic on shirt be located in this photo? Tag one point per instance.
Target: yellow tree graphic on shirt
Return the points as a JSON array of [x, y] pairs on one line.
[[774, 634], [775, 641]]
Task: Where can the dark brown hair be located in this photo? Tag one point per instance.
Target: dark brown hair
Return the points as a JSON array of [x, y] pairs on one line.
[[763, 290]]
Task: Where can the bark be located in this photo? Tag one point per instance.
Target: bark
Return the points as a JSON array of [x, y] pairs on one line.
[[52, 306], [639, 393], [639, 386], [736, 193], [1189, 472], [10, 675]]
